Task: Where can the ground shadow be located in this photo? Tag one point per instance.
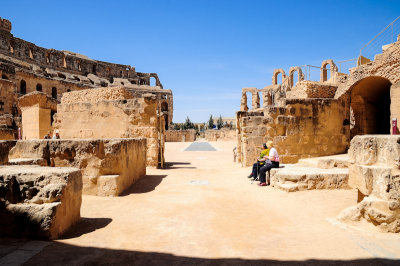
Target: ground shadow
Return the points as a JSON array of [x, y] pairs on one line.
[[144, 185], [171, 165], [63, 254], [86, 225]]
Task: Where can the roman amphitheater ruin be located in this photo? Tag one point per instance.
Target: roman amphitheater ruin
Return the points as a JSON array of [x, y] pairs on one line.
[[336, 134]]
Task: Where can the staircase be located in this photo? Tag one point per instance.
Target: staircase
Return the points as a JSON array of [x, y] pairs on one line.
[[328, 172]]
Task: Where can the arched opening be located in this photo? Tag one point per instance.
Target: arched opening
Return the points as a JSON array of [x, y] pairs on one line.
[[279, 78], [370, 107], [152, 81], [164, 108], [249, 98], [3, 76], [293, 78], [68, 90], [39, 87], [22, 87], [54, 92], [326, 72]]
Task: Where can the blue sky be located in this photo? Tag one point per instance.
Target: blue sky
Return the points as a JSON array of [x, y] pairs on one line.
[[205, 51]]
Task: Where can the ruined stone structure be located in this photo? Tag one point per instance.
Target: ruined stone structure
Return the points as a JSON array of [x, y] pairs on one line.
[[180, 135], [39, 202], [310, 119], [374, 171], [25, 68]]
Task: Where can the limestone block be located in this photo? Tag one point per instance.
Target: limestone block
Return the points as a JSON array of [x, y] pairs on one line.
[[376, 211], [95, 158], [5, 147], [109, 185], [39, 201]]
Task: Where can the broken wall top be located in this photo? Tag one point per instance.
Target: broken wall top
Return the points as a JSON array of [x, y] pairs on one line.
[[40, 99], [96, 95]]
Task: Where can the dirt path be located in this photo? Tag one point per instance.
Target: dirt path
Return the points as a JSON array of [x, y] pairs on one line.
[[202, 209]]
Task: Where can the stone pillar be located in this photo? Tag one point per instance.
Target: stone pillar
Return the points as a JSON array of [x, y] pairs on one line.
[[255, 100], [36, 108], [243, 102]]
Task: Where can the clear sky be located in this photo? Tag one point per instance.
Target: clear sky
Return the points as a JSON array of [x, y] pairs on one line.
[[206, 51]]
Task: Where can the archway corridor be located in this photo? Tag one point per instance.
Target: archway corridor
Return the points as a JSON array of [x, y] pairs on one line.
[[201, 209], [370, 107]]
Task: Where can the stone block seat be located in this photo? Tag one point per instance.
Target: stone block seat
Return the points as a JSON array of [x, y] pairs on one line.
[[328, 172], [39, 202]]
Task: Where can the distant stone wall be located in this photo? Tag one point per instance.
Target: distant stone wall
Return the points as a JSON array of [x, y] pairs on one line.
[[96, 95], [180, 135], [304, 128], [108, 166], [374, 171], [220, 135], [127, 118]]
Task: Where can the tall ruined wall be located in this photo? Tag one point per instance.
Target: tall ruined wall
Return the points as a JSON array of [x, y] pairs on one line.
[[180, 135], [303, 128], [120, 118]]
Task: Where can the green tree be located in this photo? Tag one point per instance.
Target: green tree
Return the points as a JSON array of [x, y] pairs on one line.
[[210, 122], [188, 124], [220, 123]]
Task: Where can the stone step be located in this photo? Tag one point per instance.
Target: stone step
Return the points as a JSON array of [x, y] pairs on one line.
[[296, 178], [28, 161], [326, 162]]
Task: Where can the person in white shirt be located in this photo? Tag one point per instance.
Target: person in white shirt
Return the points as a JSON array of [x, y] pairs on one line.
[[274, 163]]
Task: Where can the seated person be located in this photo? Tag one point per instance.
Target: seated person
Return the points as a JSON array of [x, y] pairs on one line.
[[274, 163], [260, 162]]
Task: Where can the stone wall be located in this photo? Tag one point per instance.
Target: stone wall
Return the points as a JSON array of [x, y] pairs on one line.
[[5, 147], [180, 135], [374, 169], [108, 166], [311, 89], [220, 135], [25, 67], [39, 202], [304, 128], [94, 118]]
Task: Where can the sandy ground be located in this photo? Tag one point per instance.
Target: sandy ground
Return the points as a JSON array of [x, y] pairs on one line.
[[202, 209]]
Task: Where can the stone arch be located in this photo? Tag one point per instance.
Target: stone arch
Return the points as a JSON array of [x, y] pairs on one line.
[[255, 99], [54, 92], [275, 76], [324, 71], [22, 87], [39, 87], [300, 75], [4, 76], [370, 106]]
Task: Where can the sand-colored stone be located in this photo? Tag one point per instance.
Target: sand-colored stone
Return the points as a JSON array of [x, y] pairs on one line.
[[87, 115], [180, 135], [124, 159], [374, 172], [220, 135], [40, 202]]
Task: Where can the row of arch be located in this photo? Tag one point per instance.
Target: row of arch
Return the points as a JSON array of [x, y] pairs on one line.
[[39, 87], [300, 75]]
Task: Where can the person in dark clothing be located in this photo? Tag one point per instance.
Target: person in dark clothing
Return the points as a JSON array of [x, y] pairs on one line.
[[274, 163], [260, 162]]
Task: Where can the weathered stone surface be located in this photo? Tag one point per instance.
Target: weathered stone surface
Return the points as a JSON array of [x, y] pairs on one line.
[[180, 135], [5, 147], [38, 201], [374, 171], [376, 211], [124, 158], [293, 178], [94, 117], [218, 135]]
